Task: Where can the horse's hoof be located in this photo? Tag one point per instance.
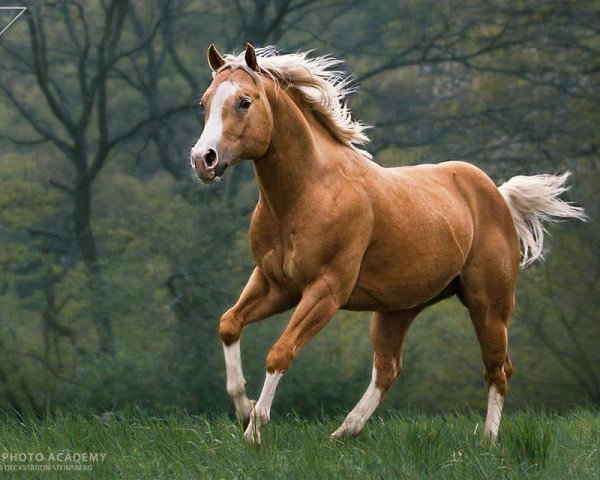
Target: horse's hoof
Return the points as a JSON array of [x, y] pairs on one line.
[[344, 432], [339, 434], [252, 435], [252, 439], [246, 419], [489, 439], [244, 416]]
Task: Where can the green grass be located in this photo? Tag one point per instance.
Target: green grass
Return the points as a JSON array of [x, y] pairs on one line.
[[532, 445]]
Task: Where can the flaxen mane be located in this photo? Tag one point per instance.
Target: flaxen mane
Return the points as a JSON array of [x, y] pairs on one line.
[[322, 87]]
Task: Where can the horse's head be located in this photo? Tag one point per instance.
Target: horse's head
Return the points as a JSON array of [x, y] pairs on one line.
[[238, 119]]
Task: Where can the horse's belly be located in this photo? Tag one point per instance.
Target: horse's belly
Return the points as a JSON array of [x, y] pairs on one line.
[[403, 281]]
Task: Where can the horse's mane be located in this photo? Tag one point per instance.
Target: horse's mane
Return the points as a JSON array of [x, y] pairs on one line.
[[324, 89]]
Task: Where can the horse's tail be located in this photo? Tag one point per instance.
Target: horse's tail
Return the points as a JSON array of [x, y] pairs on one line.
[[533, 200]]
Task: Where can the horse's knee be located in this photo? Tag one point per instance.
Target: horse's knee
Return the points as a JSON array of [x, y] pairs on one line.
[[279, 358], [230, 328]]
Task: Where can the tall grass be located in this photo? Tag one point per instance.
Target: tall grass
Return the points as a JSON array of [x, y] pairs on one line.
[[532, 445]]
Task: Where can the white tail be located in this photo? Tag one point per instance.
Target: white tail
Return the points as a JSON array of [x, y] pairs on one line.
[[533, 200]]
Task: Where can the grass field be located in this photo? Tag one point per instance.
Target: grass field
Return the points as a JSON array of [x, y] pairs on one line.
[[138, 446]]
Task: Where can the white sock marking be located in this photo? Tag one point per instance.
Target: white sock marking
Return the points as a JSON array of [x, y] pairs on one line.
[[233, 365], [262, 410], [356, 419], [494, 412], [236, 384]]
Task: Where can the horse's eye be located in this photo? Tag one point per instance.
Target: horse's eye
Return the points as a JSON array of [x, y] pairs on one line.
[[201, 106], [245, 103]]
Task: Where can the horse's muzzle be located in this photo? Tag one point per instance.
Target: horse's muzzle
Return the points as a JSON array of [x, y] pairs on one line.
[[208, 166], [220, 169]]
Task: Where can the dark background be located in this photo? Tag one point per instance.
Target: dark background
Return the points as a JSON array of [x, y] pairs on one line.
[[116, 263]]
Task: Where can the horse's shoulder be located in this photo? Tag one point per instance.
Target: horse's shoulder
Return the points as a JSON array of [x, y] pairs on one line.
[[264, 228]]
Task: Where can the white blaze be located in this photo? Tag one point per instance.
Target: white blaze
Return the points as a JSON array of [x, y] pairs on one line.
[[213, 128]]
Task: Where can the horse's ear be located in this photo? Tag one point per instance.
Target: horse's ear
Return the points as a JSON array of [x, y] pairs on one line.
[[215, 60], [250, 57]]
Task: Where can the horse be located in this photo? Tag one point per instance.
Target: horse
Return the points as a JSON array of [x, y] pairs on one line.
[[334, 230]]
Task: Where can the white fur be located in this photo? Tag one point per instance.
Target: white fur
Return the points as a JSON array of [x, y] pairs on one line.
[[261, 413], [233, 365], [213, 128], [531, 201], [494, 412], [356, 419], [236, 384], [324, 89]]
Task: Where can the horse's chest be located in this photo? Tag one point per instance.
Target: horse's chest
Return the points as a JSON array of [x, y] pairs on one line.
[[271, 263], [279, 261], [270, 255]]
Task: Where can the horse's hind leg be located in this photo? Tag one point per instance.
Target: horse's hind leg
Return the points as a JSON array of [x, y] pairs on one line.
[[488, 293], [388, 331], [492, 334]]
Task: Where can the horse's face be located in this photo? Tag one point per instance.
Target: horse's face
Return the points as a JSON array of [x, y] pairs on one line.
[[238, 119]]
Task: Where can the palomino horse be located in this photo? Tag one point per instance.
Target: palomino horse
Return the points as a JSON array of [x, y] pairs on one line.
[[333, 230]]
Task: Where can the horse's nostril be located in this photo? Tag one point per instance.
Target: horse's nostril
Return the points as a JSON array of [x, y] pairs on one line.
[[210, 157]]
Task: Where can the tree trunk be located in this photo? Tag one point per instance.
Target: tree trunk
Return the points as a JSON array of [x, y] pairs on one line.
[[89, 254]]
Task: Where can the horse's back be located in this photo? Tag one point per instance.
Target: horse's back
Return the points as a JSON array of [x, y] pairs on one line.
[[464, 184]]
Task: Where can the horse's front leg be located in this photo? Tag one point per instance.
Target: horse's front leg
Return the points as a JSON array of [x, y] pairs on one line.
[[259, 299], [320, 301]]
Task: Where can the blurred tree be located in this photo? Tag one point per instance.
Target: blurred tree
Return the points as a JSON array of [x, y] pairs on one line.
[[564, 320], [78, 121], [102, 223]]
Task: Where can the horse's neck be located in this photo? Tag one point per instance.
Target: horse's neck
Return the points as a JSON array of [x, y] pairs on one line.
[[297, 158]]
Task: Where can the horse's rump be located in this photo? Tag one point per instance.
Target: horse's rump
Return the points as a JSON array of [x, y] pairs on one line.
[[430, 221]]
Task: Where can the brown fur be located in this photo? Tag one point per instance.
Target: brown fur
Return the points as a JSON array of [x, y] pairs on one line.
[[333, 230]]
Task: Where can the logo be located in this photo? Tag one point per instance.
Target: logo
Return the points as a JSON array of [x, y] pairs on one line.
[[50, 462], [14, 12]]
